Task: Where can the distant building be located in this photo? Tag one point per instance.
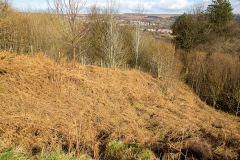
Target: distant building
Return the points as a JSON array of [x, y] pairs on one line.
[[151, 30], [166, 31]]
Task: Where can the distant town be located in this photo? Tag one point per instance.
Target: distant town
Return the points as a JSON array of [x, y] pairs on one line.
[[155, 23]]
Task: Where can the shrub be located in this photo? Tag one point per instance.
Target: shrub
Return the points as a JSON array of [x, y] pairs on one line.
[[159, 59], [216, 79]]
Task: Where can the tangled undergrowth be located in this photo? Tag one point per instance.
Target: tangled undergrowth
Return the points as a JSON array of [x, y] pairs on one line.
[[52, 106]]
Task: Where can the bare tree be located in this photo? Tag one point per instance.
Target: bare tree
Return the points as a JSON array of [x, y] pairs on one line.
[[237, 96], [69, 23], [139, 11], [164, 60], [3, 7], [235, 82], [114, 47]]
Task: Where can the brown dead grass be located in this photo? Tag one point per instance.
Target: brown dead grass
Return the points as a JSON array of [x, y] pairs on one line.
[[50, 106]]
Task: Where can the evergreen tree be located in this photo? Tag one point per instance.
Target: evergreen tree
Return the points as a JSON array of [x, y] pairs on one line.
[[190, 30], [220, 14]]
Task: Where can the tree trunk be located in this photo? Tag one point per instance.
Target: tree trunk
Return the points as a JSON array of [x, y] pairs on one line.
[[238, 107], [137, 44], [214, 103], [74, 56]]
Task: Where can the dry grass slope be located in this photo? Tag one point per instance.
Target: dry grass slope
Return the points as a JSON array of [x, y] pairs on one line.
[[51, 106]]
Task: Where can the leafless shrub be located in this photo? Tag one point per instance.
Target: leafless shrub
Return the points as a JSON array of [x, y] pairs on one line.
[[216, 79], [160, 60]]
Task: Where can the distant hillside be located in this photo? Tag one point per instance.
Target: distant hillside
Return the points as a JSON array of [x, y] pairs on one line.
[[47, 105], [152, 15], [159, 20]]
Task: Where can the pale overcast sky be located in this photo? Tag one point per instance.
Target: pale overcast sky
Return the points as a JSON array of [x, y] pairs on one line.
[[128, 6]]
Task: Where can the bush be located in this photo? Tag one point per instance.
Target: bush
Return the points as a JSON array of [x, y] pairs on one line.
[[216, 79], [158, 58]]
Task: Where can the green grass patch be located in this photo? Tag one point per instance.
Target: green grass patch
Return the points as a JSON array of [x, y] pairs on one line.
[[120, 151], [12, 155], [16, 155], [137, 105]]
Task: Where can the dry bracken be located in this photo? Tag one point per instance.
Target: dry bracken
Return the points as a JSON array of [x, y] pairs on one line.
[[50, 106]]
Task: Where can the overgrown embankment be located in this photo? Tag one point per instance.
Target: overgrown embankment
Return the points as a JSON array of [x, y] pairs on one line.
[[52, 106]]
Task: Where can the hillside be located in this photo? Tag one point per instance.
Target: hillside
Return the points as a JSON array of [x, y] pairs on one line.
[[50, 106]]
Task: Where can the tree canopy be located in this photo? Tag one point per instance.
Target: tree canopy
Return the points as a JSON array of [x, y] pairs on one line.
[[193, 29], [220, 13]]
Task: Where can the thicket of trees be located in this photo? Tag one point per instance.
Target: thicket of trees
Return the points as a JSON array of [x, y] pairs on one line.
[[207, 30], [208, 44], [23, 32], [100, 39], [62, 33]]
